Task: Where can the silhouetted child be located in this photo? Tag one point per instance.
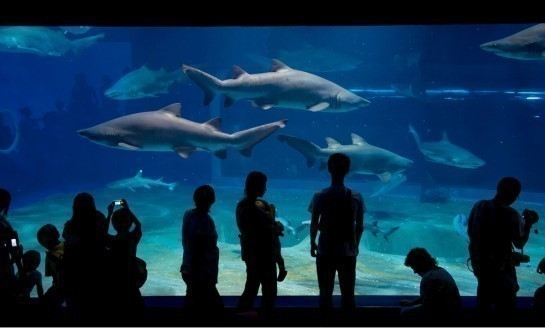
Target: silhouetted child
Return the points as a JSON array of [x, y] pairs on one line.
[[278, 230], [49, 237], [29, 277]]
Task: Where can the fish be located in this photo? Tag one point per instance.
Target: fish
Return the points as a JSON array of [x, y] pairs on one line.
[[528, 44], [312, 58], [42, 41], [373, 228], [447, 153], [166, 130], [364, 157], [460, 225], [138, 181], [281, 87], [142, 83]]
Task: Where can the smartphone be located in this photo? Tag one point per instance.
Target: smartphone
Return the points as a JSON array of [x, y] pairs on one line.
[[13, 242], [117, 202]]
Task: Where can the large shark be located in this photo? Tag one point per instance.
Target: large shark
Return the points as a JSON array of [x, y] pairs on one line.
[[43, 41], [528, 44], [138, 181], [142, 83], [166, 130], [364, 158], [282, 87], [447, 153]]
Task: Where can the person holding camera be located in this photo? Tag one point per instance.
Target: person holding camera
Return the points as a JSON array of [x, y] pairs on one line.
[[495, 229]]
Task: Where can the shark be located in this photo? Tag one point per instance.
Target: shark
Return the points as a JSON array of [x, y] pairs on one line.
[[166, 130], [528, 44], [42, 41], [373, 228], [142, 83], [281, 87], [364, 157], [447, 153], [460, 225], [138, 181]]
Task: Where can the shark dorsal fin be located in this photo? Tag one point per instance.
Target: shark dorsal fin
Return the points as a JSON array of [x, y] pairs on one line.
[[357, 140], [214, 123], [238, 72], [138, 174], [173, 109], [444, 137], [278, 66], [332, 143]]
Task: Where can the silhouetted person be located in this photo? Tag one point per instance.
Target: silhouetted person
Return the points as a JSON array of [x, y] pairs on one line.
[[494, 229], [85, 259], [123, 268], [337, 212], [258, 242], [539, 295], [10, 255], [49, 237], [29, 277], [55, 119], [439, 298], [200, 263]]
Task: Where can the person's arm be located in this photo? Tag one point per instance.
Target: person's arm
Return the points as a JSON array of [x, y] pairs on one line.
[[412, 302], [359, 219], [39, 287], [523, 227], [187, 257], [314, 219]]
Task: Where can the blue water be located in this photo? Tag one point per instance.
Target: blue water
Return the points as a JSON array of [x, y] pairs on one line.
[[478, 98]]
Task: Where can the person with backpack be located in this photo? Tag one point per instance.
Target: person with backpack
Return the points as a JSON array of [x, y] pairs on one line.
[[337, 212], [494, 230]]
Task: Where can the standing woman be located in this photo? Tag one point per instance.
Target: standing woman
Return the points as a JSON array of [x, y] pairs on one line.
[[257, 245], [200, 262]]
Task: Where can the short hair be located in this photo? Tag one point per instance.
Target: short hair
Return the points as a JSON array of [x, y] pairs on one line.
[[508, 186], [338, 164], [255, 180], [31, 259], [204, 195], [419, 257], [47, 233], [121, 219]]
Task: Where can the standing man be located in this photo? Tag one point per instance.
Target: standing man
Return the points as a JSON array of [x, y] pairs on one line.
[[337, 212], [494, 229]]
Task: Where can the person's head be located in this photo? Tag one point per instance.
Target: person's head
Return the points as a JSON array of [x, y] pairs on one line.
[[203, 197], [338, 164], [420, 260], [508, 190], [48, 236], [5, 201], [84, 203], [256, 184], [31, 260], [541, 266], [121, 219]]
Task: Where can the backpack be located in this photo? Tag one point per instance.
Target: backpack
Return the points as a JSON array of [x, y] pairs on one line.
[[337, 216]]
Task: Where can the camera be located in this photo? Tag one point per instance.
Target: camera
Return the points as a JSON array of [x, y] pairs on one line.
[[13, 242], [118, 202], [518, 258]]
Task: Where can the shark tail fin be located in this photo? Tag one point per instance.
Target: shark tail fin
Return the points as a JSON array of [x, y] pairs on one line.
[[172, 185], [245, 140], [306, 148], [205, 81], [415, 135]]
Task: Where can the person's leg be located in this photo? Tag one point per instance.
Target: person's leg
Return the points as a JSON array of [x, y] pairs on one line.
[[251, 287], [269, 287], [325, 269], [347, 281]]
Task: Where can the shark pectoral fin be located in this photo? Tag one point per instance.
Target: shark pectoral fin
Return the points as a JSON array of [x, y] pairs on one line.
[[222, 154], [268, 106], [185, 151], [318, 107], [127, 146], [385, 176]]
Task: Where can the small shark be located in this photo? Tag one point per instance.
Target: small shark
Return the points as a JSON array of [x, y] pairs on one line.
[[460, 225], [364, 158], [288, 227], [138, 181], [373, 228], [142, 83], [166, 130], [447, 153], [42, 41], [282, 87], [528, 44]]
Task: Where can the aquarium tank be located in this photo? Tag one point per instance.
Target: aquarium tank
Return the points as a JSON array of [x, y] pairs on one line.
[[431, 115]]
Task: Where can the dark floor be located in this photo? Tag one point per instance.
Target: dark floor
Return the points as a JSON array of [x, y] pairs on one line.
[[291, 311]]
